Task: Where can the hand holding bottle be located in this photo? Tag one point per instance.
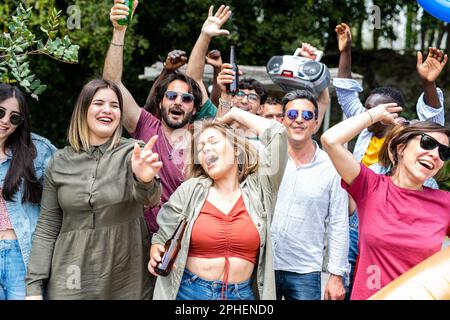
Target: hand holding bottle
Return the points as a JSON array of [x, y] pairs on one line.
[[156, 253], [226, 76], [120, 13]]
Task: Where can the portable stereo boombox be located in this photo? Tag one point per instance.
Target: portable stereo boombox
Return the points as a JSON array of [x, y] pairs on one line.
[[294, 72]]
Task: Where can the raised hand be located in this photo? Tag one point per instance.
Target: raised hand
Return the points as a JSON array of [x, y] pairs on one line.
[[344, 37], [145, 164], [430, 69], [387, 113], [308, 51], [211, 26], [226, 76], [175, 59], [214, 58], [120, 11]]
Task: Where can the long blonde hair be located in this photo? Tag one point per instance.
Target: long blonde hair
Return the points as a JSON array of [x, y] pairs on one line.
[[247, 155], [78, 134]]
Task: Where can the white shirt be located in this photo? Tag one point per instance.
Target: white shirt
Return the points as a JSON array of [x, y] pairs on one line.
[[309, 195]]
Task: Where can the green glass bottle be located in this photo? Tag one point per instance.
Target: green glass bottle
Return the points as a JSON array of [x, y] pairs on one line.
[[126, 21]]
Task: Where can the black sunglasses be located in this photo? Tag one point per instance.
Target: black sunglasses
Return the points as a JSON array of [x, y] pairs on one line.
[[306, 114], [253, 97], [429, 143], [185, 97], [15, 118]]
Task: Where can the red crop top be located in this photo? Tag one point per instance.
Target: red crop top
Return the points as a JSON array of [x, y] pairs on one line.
[[217, 235]]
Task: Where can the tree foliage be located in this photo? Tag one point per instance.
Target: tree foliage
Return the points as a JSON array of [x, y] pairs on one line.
[[17, 45]]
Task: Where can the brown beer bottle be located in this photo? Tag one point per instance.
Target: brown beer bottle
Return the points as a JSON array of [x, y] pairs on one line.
[[233, 87], [171, 249]]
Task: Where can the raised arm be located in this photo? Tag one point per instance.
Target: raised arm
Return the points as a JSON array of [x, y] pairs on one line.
[[113, 66], [249, 120], [323, 102], [211, 28], [345, 48], [333, 139], [214, 58], [273, 136], [429, 71]]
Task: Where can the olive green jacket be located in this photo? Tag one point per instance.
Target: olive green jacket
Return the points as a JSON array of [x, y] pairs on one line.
[[259, 191]]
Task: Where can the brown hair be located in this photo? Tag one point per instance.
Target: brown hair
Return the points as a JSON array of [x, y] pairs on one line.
[[400, 135], [247, 159], [78, 134]]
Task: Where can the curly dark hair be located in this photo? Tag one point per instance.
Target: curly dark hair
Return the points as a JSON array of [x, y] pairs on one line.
[[252, 84], [391, 93]]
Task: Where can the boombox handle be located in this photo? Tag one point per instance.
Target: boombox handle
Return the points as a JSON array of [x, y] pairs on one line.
[[319, 54]]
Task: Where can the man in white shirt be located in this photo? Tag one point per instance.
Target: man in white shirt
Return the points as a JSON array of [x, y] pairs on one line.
[[310, 194]]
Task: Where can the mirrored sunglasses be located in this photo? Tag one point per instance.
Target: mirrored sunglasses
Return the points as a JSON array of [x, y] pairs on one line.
[[306, 114], [185, 97]]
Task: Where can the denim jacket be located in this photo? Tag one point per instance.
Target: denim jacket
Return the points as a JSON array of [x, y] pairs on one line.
[[24, 215], [259, 191]]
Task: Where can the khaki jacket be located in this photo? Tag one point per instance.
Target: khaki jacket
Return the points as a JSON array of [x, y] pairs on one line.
[[259, 191]]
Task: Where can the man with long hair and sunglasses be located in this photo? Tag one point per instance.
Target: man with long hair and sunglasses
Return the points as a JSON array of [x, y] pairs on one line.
[[310, 194]]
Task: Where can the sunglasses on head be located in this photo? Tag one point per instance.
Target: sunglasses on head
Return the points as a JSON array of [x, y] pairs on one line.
[[15, 118], [185, 97], [253, 97], [429, 143], [306, 114]]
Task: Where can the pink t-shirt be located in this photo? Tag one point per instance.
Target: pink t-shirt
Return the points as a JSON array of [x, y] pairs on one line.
[[173, 161], [398, 229]]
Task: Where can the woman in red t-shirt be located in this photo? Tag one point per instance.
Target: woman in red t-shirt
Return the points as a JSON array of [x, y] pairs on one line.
[[401, 222]]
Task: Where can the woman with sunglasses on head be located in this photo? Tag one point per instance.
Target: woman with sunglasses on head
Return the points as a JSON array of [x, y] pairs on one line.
[[91, 240], [402, 222], [23, 158], [228, 201]]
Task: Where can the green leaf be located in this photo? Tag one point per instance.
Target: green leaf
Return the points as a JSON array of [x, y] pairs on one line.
[[40, 89], [18, 49], [30, 78], [25, 74], [52, 34], [60, 51], [25, 83], [66, 41], [44, 30], [36, 83]]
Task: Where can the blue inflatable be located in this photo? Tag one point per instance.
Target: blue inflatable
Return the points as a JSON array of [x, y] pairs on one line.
[[437, 8]]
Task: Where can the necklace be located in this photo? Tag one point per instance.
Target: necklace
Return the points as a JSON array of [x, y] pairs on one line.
[[170, 153]]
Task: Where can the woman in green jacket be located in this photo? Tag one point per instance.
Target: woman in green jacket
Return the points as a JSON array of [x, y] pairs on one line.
[[226, 252], [91, 240]]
